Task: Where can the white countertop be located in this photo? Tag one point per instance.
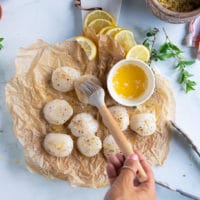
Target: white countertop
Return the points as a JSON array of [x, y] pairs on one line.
[[23, 22]]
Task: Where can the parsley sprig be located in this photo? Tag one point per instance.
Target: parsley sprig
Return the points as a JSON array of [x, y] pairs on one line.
[[169, 50], [1, 45]]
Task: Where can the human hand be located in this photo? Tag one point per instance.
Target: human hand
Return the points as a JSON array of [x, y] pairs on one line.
[[124, 183]]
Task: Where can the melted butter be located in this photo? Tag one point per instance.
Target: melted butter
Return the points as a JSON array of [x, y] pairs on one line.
[[129, 81]]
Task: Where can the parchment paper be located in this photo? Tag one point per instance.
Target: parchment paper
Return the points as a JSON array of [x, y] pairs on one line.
[[30, 90]]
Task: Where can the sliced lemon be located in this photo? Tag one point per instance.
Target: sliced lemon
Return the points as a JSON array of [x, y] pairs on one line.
[[126, 39], [98, 14], [98, 24], [113, 31], [105, 29], [88, 46], [140, 52]]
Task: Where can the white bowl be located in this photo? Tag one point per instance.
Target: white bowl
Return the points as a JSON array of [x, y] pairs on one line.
[[150, 83]]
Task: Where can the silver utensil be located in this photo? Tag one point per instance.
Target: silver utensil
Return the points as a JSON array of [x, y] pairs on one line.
[[183, 193], [185, 136]]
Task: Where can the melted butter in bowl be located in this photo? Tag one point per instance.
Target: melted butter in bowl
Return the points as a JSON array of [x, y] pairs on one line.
[[131, 82]]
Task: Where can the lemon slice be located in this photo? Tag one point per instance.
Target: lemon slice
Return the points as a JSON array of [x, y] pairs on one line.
[[126, 39], [88, 46], [113, 31], [98, 24], [98, 14], [105, 29], [140, 52]]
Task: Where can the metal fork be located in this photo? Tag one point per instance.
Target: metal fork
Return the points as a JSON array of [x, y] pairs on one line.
[[96, 97]]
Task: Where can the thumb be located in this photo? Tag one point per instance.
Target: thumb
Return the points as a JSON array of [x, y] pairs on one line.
[[129, 170]]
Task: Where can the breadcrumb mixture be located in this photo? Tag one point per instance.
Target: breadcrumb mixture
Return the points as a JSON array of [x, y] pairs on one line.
[[180, 5]]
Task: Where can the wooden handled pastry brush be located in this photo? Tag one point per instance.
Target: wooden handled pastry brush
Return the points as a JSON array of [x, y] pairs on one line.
[[96, 97]]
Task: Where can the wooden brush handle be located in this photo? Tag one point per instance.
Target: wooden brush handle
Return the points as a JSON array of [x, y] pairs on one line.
[[120, 138]]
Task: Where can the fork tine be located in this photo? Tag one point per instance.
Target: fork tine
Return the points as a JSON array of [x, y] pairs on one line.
[[90, 86], [86, 91], [93, 85]]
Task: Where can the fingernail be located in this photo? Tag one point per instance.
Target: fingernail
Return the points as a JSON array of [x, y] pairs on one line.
[[134, 157]]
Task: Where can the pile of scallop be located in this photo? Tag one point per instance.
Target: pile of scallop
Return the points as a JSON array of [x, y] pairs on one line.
[[83, 125]]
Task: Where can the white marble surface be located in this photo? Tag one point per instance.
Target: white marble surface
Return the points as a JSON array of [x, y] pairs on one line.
[[23, 22]]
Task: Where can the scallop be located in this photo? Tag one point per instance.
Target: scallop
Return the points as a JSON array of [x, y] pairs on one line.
[[82, 98], [143, 124], [63, 78], [121, 116], [89, 145], [58, 144], [57, 111], [110, 146], [83, 124]]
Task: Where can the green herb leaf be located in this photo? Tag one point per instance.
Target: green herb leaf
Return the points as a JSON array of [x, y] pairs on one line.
[[179, 66], [182, 79], [174, 47], [146, 43], [184, 75], [154, 55], [152, 32], [1, 46], [165, 56], [188, 63], [190, 86], [164, 48], [169, 50]]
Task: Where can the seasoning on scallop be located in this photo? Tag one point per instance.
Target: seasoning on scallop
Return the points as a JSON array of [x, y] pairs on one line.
[[63, 78], [89, 145], [57, 111], [83, 124], [58, 144], [143, 124]]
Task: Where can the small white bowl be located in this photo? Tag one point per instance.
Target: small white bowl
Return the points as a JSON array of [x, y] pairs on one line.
[[150, 83]]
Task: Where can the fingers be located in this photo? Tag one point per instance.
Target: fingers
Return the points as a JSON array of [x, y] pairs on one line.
[[111, 172], [115, 162], [121, 158], [128, 173], [129, 170], [147, 168]]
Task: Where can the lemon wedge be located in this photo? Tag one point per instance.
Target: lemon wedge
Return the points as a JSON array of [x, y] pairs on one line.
[[140, 52], [113, 31], [98, 24], [126, 39], [88, 46], [98, 14]]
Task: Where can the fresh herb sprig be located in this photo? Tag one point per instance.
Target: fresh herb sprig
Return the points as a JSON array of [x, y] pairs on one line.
[[169, 50], [151, 38], [1, 45]]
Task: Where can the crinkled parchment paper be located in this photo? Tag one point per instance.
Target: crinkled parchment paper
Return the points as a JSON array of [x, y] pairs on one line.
[[30, 89]]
